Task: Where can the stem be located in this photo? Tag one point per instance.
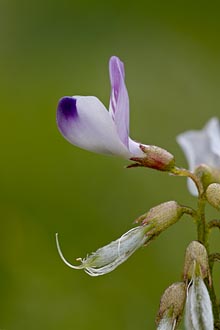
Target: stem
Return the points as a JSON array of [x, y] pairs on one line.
[[203, 230], [215, 307], [214, 224], [190, 211], [200, 214], [212, 258], [183, 172], [201, 223]]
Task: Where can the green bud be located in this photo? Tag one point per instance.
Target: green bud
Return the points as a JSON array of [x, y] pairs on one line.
[[196, 262], [156, 158], [172, 304], [213, 195]]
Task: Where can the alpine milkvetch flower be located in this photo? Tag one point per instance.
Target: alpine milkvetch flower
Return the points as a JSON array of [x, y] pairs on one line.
[[201, 147], [107, 258], [85, 122]]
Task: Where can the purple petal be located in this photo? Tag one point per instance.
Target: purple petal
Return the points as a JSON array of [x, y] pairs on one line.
[[67, 108], [119, 101], [85, 122]]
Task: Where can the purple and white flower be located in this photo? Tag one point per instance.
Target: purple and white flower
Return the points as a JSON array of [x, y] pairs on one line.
[[201, 147], [85, 122]]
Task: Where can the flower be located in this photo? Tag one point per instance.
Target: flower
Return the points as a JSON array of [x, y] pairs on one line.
[[85, 122], [109, 257], [201, 147]]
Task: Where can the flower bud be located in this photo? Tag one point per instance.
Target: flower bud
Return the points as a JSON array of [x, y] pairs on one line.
[[196, 261], [171, 306], [156, 157], [213, 195], [161, 217], [207, 174]]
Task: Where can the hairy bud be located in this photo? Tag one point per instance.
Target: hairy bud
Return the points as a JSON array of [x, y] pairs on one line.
[[156, 158], [196, 260], [171, 305], [161, 217]]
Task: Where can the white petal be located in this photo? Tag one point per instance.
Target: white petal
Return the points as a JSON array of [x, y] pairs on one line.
[[201, 147], [85, 122], [213, 130], [166, 324], [198, 307], [107, 258], [135, 150]]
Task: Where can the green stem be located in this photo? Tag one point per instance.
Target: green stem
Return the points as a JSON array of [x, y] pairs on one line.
[[212, 258], [184, 172], [203, 230], [201, 223], [190, 211], [214, 224]]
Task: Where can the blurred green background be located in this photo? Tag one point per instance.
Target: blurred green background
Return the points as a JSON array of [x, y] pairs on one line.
[[52, 48]]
